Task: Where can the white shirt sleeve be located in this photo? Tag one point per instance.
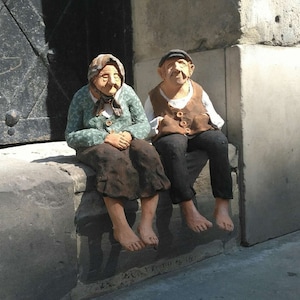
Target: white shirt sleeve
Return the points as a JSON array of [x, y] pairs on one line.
[[214, 116], [151, 118], [149, 109]]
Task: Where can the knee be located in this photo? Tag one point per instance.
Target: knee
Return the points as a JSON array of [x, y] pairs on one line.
[[220, 144], [142, 150], [172, 140], [172, 144], [140, 146], [222, 141], [107, 152], [217, 138], [137, 144]]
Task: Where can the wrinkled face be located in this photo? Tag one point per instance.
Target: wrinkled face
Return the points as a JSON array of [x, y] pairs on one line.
[[108, 81], [176, 71]]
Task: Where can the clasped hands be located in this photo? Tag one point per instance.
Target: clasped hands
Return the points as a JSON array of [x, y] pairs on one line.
[[119, 140]]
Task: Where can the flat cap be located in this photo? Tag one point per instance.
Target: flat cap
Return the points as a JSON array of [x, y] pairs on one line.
[[175, 53]]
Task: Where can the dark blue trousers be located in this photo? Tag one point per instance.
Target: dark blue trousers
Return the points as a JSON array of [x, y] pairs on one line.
[[181, 158]]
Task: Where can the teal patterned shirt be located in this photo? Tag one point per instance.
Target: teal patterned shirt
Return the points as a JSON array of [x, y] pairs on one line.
[[84, 129]]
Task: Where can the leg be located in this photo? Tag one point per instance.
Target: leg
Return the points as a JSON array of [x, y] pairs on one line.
[[194, 219], [172, 149], [216, 145], [147, 163], [148, 208], [221, 214], [122, 231], [163, 218], [196, 161], [115, 176]]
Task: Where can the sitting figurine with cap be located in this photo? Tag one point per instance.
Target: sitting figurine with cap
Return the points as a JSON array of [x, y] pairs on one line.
[[183, 120], [107, 126]]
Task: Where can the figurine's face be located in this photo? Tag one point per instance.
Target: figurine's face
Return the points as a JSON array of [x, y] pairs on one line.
[[176, 70], [108, 81]]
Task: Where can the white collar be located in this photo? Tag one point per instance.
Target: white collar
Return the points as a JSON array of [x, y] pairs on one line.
[[180, 102]]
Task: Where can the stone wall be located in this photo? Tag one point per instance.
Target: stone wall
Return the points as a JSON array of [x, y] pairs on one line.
[[268, 22], [37, 235], [262, 109], [194, 25], [200, 25]]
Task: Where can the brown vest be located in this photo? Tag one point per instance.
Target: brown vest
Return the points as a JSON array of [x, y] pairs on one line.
[[190, 120]]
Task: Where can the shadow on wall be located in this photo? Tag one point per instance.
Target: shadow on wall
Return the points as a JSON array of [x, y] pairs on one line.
[[100, 256]]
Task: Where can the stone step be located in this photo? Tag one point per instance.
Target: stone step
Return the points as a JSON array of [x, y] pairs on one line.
[[43, 187]]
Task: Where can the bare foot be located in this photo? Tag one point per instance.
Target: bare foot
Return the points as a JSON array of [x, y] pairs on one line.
[[147, 235], [194, 220], [221, 214], [145, 230], [128, 239]]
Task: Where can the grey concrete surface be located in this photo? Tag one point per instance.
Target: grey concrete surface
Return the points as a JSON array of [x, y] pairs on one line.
[[202, 25], [38, 253], [269, 159], [40, 190], [270, 270]]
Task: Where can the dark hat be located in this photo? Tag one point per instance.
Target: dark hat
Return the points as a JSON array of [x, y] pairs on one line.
[[175, 53]]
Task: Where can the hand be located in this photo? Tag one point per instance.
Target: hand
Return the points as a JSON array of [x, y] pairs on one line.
[[118, 140], [127, 135], [159, 119]]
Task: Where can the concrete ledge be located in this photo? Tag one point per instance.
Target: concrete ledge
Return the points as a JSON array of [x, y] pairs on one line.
[[37, 237], [44, 187]]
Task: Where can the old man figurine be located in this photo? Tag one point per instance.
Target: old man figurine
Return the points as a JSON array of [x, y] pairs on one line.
[[183, 120]]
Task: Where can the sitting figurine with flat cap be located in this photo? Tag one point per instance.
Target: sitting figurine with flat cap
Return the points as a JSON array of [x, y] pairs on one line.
[[107, 126], [183, 120]]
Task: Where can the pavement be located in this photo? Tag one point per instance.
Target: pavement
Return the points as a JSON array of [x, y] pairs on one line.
[[269, 270]]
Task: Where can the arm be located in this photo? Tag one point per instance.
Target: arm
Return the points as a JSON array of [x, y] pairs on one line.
[[75, 134], [215, 118], [154, 122], [140, 126]]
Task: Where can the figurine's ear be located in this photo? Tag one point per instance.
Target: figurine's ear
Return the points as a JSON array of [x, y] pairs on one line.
[[191, 69], [161, 72]]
